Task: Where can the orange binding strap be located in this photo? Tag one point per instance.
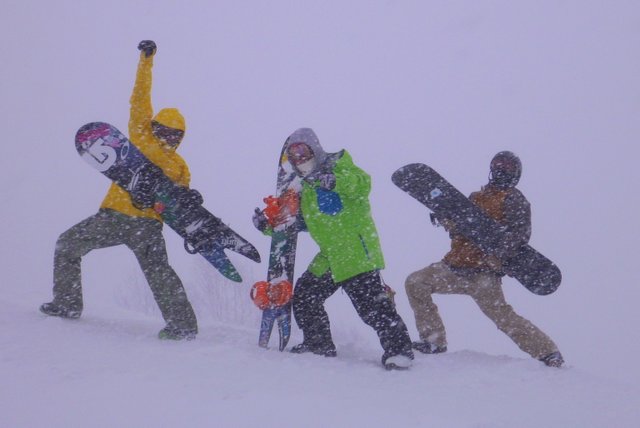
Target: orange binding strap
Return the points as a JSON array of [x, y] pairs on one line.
[[281, 293], [259, 294], [265, 295]]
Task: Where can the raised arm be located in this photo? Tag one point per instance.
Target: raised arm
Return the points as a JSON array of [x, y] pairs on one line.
[[141, 111]]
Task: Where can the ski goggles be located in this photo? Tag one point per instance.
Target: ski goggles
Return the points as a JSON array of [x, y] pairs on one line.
[[170, 136], [299, 153]]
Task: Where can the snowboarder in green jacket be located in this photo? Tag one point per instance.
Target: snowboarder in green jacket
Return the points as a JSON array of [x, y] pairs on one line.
[[335, 210]]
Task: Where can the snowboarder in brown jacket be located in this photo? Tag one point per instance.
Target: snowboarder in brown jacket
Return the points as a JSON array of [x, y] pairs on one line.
[[467, 270]]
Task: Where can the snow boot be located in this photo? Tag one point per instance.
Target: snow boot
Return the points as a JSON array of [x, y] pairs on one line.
[[428, 348], [325, 351], [169, 333], [554, 359], [397, 362], [55, 310]]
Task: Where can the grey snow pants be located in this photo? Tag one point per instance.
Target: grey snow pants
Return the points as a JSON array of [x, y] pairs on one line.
[[143, 236], [486, 290]]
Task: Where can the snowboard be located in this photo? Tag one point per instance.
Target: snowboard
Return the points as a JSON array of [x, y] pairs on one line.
[[532, 269], [282, 253], [109, 151]]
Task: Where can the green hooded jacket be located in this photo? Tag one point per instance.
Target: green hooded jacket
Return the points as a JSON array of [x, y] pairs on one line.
[[340, 223]]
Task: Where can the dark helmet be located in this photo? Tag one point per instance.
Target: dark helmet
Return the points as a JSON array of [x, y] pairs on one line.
[[505, 170]]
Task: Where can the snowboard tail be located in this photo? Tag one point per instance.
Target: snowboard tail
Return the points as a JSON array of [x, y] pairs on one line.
[[270, 317], [532, 269]]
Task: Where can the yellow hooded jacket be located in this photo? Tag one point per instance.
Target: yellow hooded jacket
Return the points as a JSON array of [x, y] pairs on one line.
[[156, 151]]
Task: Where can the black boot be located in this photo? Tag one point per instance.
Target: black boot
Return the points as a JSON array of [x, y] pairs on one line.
[[55, 310], [169, 333], [325, 350], [428, 348], [554, 359], [398, 361]]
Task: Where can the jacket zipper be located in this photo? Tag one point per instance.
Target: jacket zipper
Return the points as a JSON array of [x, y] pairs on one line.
[[366, 250]]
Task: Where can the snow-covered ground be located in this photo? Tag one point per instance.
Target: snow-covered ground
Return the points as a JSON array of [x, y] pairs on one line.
[[444, 83], [109, 370]]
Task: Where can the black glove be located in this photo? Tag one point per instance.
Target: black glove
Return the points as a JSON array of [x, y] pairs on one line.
[[327, 181], [143, 186], [143, 200], [148, 47], [260, 220], [434, 220]]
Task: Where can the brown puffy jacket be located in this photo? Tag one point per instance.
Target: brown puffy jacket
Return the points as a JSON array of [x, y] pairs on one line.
[[507, 206]]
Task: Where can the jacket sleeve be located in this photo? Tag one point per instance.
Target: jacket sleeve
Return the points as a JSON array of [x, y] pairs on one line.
[[185, 176], [517, 216], [351, 181], [141, 111]]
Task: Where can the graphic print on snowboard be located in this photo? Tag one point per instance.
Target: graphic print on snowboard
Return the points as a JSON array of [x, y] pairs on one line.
[[282, 212], [109, 151], [533, 270]]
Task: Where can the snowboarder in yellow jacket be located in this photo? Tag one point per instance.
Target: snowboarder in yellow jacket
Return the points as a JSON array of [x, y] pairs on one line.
[[130, 219]]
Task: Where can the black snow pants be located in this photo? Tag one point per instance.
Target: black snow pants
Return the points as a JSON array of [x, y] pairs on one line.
[[370, 300]]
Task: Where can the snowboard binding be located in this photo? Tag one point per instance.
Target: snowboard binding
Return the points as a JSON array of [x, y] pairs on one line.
[[266, 295]]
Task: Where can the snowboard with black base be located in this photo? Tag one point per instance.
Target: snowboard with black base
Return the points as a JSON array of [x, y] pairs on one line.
[[273, 296], [109, 151], [532, 269]]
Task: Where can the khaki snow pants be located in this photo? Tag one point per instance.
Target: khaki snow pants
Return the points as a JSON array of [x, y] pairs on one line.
[[486, 290], [143, 236]]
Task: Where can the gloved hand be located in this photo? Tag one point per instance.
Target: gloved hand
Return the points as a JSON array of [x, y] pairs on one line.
[[142, 195], [260, 220], [148, 47], [143, 186], [327, 181], [142, 198], [434, 220]]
